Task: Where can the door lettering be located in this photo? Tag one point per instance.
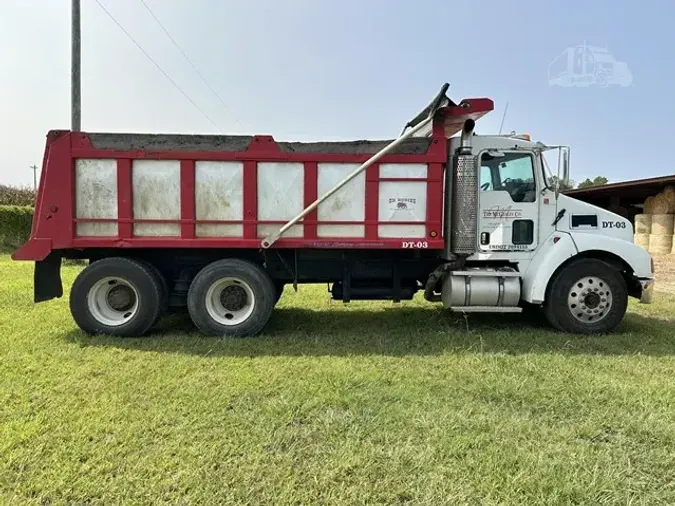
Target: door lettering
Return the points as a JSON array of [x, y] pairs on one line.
[[502, 213]]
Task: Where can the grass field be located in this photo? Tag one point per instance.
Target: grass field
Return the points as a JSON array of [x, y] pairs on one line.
[[360, 404]]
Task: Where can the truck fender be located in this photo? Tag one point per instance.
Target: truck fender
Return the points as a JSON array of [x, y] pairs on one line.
[[552, 253], [635, 256]]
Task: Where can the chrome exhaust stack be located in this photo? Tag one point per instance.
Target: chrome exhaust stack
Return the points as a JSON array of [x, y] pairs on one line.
[[461, 206], [465, 140]]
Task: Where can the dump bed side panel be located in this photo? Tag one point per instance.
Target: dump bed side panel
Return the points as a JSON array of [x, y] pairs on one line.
[[106, 190]]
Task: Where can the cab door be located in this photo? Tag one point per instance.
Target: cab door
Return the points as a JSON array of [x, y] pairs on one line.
[[508, 207]]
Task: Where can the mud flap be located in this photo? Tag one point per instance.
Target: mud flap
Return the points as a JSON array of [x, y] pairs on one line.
[[47, 283]]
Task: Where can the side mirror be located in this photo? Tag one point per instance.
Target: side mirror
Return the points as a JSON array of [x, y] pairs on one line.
[[566, 165], [563, 169]]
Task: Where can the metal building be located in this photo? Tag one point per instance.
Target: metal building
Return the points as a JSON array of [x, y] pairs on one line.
[[625, 198]]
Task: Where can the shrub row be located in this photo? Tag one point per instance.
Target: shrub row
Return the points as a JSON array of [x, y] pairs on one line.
[[15, 196], [15, 223]]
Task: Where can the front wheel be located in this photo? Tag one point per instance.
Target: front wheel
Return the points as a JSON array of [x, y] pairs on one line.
[[231, 297], [587, 297]]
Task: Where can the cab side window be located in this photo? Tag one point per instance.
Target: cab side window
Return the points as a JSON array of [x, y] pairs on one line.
[[510, 172]]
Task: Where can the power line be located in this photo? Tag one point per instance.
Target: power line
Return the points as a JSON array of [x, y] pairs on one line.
[[194, 67], [157, 65]]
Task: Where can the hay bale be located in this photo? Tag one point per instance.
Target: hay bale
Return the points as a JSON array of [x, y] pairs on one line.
[[642, 240], [660, 244], [661, 205], [648, 207], [662, 224], [643, 223], [669, 194]]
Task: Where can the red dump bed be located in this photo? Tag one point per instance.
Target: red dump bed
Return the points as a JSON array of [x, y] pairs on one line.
[[180, 191]]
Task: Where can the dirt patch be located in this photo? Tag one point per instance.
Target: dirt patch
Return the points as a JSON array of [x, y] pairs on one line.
[[240, 143]]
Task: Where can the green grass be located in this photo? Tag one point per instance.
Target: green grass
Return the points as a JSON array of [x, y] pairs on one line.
[[367, 403]]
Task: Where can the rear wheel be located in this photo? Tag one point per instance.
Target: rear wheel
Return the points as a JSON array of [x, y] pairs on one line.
[[587, 297], [164, 289], [231, 297], [116, 296]]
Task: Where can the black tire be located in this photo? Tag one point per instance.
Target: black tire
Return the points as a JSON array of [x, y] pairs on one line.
[[133, 273], [165, 290], [250, 277], [558, 308]]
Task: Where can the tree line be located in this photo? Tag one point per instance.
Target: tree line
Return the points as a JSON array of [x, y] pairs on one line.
[[586, 183], [16, 196]]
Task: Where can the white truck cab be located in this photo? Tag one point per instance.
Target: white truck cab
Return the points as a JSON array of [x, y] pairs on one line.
[[575, 260]]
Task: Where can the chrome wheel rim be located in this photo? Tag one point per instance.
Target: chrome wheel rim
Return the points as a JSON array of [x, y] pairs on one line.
[[590, 299], [112, 301], [230, 301]]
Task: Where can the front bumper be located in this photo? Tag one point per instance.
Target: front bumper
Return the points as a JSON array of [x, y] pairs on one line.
[[647, 291]]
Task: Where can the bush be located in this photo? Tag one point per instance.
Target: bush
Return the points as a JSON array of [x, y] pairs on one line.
[[15, 223], [16, 196]]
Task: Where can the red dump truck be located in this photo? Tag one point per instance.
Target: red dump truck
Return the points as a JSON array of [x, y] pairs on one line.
[[220, 224]]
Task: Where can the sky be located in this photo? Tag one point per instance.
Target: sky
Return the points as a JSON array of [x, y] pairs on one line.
[[340, 69]]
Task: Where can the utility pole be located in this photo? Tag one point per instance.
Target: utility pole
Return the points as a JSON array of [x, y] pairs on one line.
[[75, 66], [34, 167]]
